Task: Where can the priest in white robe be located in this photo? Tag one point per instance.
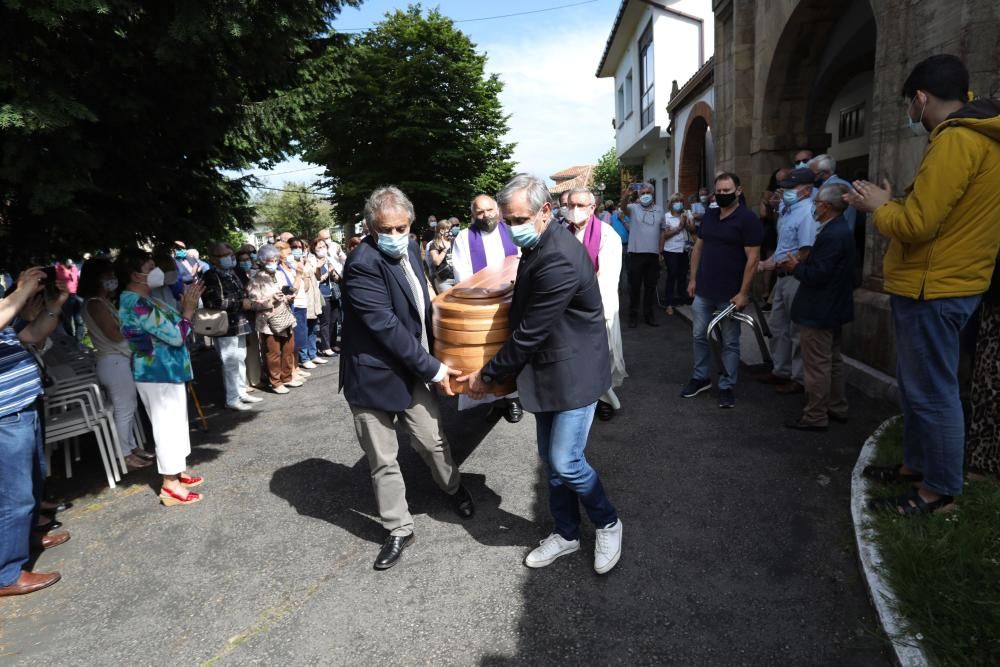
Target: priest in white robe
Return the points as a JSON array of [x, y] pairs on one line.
[[604, 248], [486, 242]]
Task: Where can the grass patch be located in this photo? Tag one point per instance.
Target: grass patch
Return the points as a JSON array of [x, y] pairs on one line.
[[945, 569]]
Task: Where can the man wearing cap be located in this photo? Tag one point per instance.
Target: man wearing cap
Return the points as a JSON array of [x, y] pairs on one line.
[[796, 235]]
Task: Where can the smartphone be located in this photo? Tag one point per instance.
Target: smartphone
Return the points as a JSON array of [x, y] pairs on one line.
[[286, 290], [50, 277]]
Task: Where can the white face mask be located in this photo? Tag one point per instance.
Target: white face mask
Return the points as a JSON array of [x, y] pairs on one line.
[[916, 126], [578, 215], [154, 278], [321, 252]]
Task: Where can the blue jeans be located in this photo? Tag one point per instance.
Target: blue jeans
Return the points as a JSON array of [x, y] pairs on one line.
[[22, 469], [702, 311], [562, 437], [305, 343], [927, 342]]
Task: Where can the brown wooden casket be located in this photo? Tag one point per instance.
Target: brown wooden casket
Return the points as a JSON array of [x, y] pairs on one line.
[[470, 321]]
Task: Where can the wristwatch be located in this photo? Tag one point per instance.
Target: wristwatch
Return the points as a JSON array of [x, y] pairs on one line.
[[486, 378]]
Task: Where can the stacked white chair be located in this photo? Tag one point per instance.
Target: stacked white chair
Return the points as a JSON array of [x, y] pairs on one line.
[[75, 405]]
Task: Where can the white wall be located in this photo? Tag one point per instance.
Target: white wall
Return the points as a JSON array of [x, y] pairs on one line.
[[680, 124], [675, 57]]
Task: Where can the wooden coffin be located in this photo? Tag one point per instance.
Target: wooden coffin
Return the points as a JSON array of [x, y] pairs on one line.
[[470, 321]]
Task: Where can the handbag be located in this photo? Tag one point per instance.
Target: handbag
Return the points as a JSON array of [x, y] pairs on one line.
[[211, 322], [281, 319]]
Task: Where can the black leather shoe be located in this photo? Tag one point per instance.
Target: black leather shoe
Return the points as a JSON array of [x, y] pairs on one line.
[[514, 411], [840, 419], [800, 425], [633, 321], [461, 502], [391, 550], [604, 411], [651, 321]]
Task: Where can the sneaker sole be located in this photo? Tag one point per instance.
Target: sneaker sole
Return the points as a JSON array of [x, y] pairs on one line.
[[727, 406], [553, 559], [700, 391]]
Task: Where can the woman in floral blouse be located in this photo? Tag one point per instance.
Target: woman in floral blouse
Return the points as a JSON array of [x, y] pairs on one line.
[[161, 364]]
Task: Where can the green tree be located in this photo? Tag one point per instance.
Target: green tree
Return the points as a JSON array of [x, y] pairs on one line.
[[295, 210], [609, 172], [419, 112], [118, 116]]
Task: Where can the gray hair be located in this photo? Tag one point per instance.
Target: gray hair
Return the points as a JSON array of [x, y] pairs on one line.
[[581, 191], [266, 253], [824, 162], [833, 195], [472, 204], [532, 187], [386, 198]]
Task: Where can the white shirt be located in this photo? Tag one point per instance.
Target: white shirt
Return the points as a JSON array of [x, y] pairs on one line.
[[461, 257], [609, 260], [676, 242]]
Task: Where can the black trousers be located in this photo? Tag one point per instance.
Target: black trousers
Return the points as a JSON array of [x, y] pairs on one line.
[[329, 319], [643, 272], [675, 287]]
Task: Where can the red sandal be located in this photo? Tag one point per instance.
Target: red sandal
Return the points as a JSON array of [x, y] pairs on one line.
[[169, 498], [188, 480]]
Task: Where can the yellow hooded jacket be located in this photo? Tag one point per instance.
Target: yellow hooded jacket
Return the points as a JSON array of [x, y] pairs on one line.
[[945, 234]]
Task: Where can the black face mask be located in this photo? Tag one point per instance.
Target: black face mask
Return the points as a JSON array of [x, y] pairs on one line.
[[725, 200], [488, 224], [819, 182]]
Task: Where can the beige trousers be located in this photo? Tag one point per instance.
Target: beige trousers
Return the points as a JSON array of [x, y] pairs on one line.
[[823, 369], [377, 435]]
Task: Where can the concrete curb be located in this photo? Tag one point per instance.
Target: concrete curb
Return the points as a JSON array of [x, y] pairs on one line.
[[907, 648]]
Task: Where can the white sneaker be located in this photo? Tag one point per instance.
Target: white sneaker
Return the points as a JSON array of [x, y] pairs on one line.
[[319, 360], [308, 364], [251, 399], [293, 383], [608, 549], [301, 373], [239, 407], [282, 389], [550, 548]]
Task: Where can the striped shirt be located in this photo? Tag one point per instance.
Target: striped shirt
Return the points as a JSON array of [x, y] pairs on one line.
[[20, 380]]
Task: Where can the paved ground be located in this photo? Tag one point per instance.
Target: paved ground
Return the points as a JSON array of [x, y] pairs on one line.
[[738, 546]]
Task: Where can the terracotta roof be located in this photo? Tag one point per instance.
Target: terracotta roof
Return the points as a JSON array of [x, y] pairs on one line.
[[571, 172], [574, 177], [701, 79]]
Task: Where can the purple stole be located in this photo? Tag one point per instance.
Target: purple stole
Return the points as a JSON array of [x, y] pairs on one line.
[[591, 239], [477, 252]]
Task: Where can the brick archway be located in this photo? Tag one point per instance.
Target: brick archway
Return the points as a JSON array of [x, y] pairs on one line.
[[692, 174]]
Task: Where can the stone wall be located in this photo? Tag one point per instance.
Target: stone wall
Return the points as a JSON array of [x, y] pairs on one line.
[[775, 79]]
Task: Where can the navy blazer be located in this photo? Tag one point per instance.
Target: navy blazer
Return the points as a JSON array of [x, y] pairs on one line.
[[558, 347], [825, 299], [381, 356]]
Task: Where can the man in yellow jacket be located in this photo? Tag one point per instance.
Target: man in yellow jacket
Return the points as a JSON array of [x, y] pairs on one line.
[[944, 235]]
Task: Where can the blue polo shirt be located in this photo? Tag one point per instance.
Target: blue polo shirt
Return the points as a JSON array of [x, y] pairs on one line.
[[723, 257], [20, 379], [796, 228]]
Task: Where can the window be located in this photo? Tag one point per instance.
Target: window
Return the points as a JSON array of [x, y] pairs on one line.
[[646, 103], [628, 94], [620, 106], [852, 123]]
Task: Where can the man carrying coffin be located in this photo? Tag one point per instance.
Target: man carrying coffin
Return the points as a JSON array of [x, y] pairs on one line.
[[558, 351], [485, 243]]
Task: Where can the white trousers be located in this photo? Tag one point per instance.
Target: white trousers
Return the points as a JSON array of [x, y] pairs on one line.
[[114, 371], [166, 405], [233, 354]]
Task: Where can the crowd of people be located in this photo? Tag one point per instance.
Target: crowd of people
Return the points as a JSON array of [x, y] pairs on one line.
[[275, 312]]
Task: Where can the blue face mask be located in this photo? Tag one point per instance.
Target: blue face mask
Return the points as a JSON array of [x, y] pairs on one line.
[[181, 254], [297, 253], [271, 267], [227, 262], [524, 235], [246, 266], [677, 207], [253, 257], [789, 197], [455, 230], [646, 200], [394, 246]]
